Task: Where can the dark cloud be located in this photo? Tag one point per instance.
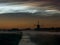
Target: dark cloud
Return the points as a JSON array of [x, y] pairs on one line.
[[54, 3], [30, 15], [13, 0], [30, 0]]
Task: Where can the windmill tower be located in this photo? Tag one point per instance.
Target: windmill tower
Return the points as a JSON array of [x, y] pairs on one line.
[[37, 26]]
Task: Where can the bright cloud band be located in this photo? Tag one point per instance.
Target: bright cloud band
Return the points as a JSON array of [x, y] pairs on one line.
[[18, 8]]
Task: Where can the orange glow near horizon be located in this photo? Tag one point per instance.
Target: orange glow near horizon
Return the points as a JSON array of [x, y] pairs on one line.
[[7, 23]]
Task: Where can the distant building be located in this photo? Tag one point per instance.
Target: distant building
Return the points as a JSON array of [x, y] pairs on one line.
[[27, 29], [14, 29]]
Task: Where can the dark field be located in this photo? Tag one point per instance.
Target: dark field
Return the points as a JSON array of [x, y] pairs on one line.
[[10, 38], [45, 39]]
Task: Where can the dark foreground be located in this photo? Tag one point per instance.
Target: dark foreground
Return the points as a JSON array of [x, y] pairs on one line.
[[36, 37], [10, 38], [46, 39]]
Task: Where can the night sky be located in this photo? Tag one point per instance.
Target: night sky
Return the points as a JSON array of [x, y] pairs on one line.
[[26, 13]]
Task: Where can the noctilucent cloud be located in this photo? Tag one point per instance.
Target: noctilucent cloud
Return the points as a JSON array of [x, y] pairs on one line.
[[22, 8]]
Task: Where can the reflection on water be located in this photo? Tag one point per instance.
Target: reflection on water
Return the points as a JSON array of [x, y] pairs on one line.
[[44, 38]]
